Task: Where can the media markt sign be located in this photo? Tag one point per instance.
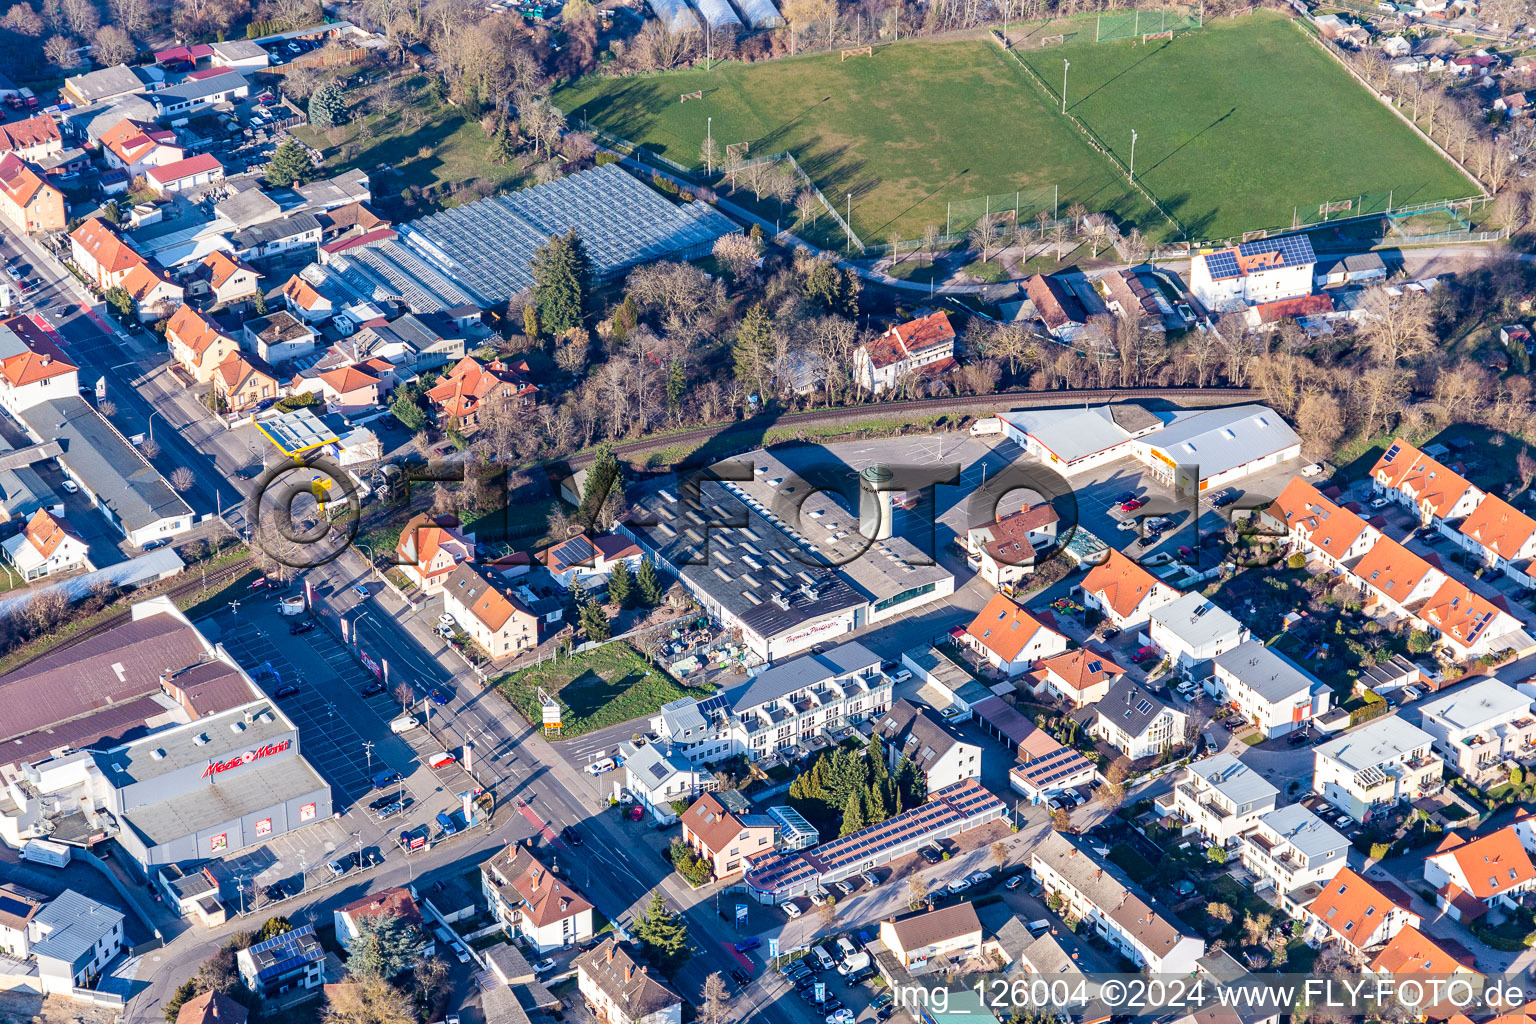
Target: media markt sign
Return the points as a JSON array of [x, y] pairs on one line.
[[215, 767]]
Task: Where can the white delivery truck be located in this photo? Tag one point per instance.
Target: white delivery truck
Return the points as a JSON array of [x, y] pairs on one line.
[[405, 723], [987, 425], [45, 851]]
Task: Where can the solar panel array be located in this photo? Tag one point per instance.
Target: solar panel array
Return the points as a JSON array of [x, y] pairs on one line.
[[282, 953], [489, 245], [717, 13], [1057, 765], [1221, 264], [1295, 250], [761, 13], [576, 551]]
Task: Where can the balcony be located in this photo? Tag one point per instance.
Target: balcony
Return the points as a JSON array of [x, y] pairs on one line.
[[1204, 805]]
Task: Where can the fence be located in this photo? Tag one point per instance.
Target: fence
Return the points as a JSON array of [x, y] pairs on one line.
[[1443, 220], [1112, 25]]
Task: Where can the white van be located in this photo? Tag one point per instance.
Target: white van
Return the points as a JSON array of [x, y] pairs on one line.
[[988, 425], [405, 723], [823, 958], [845, 946]]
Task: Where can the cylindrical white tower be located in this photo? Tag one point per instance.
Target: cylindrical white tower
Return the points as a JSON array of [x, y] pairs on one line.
[[875, 502]]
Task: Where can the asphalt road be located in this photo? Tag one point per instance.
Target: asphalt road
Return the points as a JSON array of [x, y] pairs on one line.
[[101, 350]]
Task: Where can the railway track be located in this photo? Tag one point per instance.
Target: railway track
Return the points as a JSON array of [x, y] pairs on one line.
[[1007, 402]]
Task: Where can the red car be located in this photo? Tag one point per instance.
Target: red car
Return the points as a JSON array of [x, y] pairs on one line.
[[1144, 654], [636, 812], [1132, 505]]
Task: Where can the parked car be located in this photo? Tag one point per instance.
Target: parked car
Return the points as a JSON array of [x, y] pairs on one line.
[[337, 868], [1132, 505], [959, 885], [1125, 496], [373, 689], [460, 953], [791, 911], [1014, 882], [637, 812], [1127, 524], [1111, 632], [71, 487], [547, 964], [286, 691], [818, 899], [843, 887], [601, 767], [748, 944], [931, 854], [980, 878], [360, 590], [302, 626]]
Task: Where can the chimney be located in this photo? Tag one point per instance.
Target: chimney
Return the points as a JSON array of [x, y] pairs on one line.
[[629, 972], [213, 1004], [46, 359], [611, 947]]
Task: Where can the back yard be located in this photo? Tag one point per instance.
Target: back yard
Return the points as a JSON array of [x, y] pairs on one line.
[[597, 688]]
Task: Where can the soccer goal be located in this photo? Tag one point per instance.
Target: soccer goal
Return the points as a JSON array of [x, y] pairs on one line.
[[1052, 41], [696, 95], [736, 149], [1157, 35], [859, 51]]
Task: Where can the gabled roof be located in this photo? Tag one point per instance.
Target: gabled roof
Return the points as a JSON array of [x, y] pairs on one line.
[[1410, 951], [1493, 864], [130, 141], [626, 982], [202, 163], [1392, 569], [302, 294], [470, 382], [1327, 525], [1130, 706], [1083, 668], [395, 901], [547, 898], [221, 267], [1004, 628], [425, 534], [1462, 615], [45, 533], [932, 927], [19, 182], [111, 253], [482, 596], [908, 340], [1053, 303], [1403, 467], [40, 360], [235, 370], [1010, 541], [140, 282], [349, 379], [1499, 526], [923, 740], [1352, 907], [193, 330], [34, 131], [1258, 256], [211, 1008], [714, 826], [1120, 583]]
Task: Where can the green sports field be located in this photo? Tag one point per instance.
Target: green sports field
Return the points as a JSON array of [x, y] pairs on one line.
[[1239, 125]]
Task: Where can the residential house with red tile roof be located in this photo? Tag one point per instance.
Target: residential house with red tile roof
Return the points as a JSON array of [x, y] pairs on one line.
[[189, 175], [212, 1008], [1467, 622], [197, 346], [1010, 639], [350, 390], [485, 607], [589, 560], [463, 394], [100, 255], [27, 202], [154, 295], [226, 278], [47, 545], [1003, 552], [1318, 526], [1502, 536], [1394, 576], [137, 146], [1079, 677], [1123, 592], [1269, 314], [429, 549], [535, 902], [396, 902], [1409, 477], [305, 302], [33, 368], [33, 139], [1358, 914], [727, 840], [242, 386], [1470, 877], [1412, 952], [1062, 312], [925, 347]]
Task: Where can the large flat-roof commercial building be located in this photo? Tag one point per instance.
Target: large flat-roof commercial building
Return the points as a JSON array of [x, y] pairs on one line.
[[489, 245], [130, 492], [150, 734], [1218, 445], [788, 576]]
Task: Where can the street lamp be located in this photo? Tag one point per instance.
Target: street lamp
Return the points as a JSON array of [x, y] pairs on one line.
[[368, 752], [1133, 156], [709, 141], [1064, 65], [151, 422]]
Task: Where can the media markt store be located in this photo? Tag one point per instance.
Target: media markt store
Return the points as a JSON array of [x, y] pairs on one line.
[[212, 787]]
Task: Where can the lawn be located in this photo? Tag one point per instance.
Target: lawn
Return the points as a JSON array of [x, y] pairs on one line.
[[597, 688], [890, 130], [447, 152], [1240, 125], [1244, 124]]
